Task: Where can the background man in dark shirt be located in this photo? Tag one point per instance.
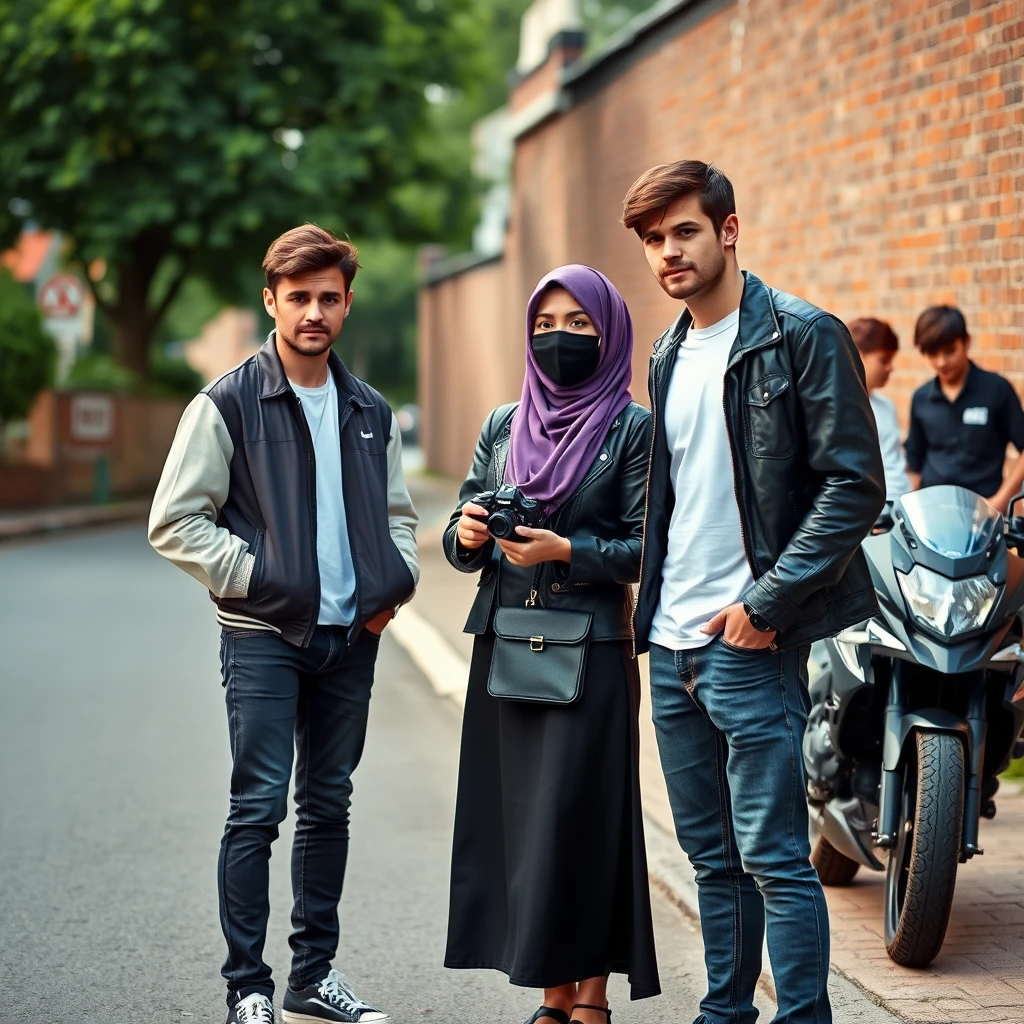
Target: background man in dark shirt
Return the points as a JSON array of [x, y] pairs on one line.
[[962, 421]]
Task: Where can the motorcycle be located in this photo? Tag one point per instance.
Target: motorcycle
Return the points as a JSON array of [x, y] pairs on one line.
[[917, 710]]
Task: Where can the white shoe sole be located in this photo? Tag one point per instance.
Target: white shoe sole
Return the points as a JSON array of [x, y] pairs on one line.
[[290, 1017]]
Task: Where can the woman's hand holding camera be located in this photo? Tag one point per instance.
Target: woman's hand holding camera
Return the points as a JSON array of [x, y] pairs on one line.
[[472, 533], [542, 546]]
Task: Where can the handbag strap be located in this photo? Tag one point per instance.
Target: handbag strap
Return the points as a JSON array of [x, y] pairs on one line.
[[531, 601]]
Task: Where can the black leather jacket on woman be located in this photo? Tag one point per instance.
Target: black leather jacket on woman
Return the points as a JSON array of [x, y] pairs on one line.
[[603, 520]]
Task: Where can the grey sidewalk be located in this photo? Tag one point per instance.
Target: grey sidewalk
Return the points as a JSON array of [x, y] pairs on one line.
[[17, 523]]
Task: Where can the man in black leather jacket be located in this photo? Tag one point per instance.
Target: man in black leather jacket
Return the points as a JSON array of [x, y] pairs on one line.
[[765, 476]]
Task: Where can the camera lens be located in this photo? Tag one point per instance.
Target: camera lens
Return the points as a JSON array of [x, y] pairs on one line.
[[502, 524]]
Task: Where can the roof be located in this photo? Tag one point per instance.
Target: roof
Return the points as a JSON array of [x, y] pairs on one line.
[[642, 34], [26, 258]]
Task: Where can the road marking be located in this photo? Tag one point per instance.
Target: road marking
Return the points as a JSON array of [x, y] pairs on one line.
[[446, 669]]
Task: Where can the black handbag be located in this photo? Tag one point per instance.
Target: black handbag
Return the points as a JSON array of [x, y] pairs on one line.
[[540, 655]]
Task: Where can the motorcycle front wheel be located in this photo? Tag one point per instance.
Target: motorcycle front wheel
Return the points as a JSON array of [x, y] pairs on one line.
[[921, 873]]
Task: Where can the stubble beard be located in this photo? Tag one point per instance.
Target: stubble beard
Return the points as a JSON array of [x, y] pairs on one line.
[[309, 345], [705, 279]]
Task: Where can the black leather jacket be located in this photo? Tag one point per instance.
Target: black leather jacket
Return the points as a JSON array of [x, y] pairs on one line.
[[806, 467], [603, 519]]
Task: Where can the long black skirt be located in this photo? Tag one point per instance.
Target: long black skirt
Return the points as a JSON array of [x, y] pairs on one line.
[[549, 870]]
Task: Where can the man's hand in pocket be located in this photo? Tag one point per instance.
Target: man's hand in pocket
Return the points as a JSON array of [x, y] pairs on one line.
[[379, 621]]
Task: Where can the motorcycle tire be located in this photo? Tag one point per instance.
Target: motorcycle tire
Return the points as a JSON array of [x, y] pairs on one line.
[[833, 867], [921, 874]]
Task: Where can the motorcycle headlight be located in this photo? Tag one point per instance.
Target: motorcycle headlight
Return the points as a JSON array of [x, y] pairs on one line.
[[947, 607]]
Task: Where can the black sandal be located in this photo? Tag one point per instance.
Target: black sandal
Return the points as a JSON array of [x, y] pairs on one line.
[[590, 1006], [549, 1011]]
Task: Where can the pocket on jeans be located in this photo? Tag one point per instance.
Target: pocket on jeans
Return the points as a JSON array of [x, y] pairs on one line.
[[743, 650]]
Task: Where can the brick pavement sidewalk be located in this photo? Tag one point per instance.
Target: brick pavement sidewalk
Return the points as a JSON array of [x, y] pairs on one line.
[[978, 977]]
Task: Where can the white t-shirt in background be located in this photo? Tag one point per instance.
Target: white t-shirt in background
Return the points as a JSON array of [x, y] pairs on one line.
[[706, 568], [896, 480]]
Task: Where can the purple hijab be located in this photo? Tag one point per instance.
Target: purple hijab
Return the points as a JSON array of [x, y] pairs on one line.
[[557, 432]]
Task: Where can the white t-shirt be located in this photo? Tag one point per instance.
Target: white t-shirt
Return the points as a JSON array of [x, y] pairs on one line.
[[706, 568], [896, 480], [333, 552]]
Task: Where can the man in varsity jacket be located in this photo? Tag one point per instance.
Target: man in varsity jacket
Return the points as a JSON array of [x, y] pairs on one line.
[[283, 495]]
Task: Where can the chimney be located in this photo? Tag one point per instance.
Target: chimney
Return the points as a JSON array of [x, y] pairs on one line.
[[551, 37]]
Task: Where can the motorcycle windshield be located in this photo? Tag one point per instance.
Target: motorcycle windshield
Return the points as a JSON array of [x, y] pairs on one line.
[[952, 521]]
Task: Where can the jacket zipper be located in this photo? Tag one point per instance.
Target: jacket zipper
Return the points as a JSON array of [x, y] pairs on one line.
[[311, 482], [647, 505], [735, 489], [343, 419], [736, 494]]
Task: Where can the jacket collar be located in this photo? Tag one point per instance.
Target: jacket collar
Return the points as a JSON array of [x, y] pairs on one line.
[[758, 327], [274, 382]]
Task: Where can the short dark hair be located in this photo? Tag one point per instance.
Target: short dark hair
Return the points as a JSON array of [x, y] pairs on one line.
[[939, 326], [871, 335], [659, 187], [309, 248]]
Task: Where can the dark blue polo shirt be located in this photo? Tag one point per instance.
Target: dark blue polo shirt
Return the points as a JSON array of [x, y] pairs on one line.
[[964, 442]]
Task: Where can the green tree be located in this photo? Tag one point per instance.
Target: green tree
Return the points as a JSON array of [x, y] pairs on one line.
[[27, 352], [170, 139]]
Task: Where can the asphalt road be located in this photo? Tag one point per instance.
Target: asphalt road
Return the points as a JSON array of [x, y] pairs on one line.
[[113, 791]]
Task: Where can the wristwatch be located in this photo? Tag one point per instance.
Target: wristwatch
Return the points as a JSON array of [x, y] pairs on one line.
[[758, 621]]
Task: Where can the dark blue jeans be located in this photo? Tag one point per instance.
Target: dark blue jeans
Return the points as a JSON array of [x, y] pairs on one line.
[[730, 726], [282, 698]]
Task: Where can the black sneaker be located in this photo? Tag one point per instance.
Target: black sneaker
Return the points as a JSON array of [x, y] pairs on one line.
[[254, 1009], [332, 1000]]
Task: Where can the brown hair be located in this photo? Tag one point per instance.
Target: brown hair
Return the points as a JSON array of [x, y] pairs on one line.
[[309, 248], [870, 335], [939, 326], [659, 187]]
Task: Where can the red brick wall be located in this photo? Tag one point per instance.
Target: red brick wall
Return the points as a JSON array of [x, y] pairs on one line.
[[56, 471], [877, 149]]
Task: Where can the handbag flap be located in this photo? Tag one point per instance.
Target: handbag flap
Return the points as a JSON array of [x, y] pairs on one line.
[[553, 626]]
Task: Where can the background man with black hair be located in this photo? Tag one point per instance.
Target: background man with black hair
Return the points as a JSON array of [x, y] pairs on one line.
[[962, 420], [283, 495]]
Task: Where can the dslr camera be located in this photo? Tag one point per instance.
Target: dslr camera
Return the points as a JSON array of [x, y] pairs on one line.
[[507, 508]]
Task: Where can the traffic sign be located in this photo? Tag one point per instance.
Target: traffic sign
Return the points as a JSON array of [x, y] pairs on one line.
[[61, 297]]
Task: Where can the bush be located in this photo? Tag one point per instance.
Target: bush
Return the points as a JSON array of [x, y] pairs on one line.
[[171, 377], [168, 377], [27, 353], [100, 373]]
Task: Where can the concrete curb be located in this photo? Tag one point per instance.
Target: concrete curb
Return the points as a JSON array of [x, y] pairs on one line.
[[55, 520]]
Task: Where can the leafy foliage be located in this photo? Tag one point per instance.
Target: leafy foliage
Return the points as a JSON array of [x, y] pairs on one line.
[[168, 375], [96, 371], [170, 138], [27, 353], [379, 339]]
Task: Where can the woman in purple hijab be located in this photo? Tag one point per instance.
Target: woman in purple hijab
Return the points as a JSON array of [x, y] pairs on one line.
[[549, 870]]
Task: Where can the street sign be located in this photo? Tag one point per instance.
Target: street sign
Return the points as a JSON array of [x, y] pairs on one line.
[[61, 297], [92, 418]]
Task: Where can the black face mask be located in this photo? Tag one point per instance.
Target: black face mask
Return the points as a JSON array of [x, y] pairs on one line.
[[566, 358]]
